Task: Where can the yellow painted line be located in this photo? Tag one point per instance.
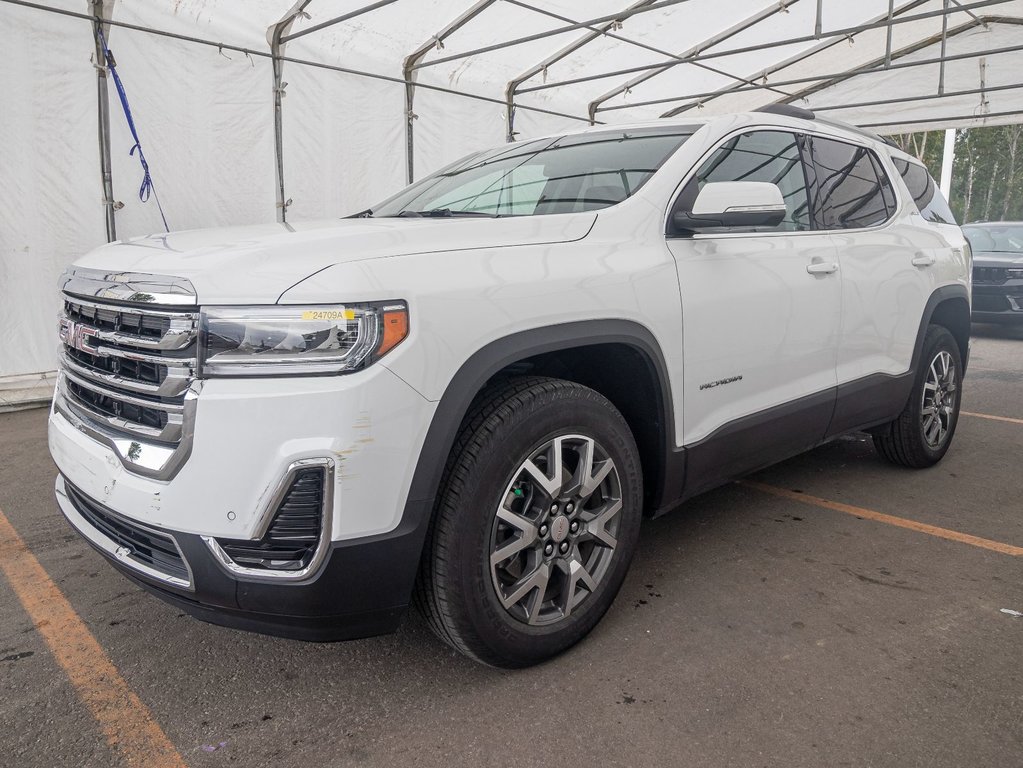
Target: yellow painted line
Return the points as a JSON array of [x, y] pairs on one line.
[[881, 517], [989, 416], [126, 722]]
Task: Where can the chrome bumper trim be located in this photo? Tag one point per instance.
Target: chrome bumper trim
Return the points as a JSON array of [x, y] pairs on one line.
[[121, 554], [137, 453], [273, 500]]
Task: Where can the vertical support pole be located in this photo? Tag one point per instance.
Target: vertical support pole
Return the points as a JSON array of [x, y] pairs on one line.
[[944, 41], [408, 71], [888, 43], [273, 37], [947, 159], [103, 122], [410, 116], [820, 19], [509, 99]]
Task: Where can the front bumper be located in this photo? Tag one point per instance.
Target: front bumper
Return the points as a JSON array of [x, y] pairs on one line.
[[369, 427], [998, 303], [246, 434], [361, 589]]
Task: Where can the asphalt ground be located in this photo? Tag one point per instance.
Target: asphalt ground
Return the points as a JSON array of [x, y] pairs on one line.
[[780, 622]]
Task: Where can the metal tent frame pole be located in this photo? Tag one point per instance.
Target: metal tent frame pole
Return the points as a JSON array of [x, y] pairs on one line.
[[880, 65], [921, 97], [879, 23], [557, 31], [274, 37], [837, 76], [687, 55], [286, 38], [408, 71], [101, 13], [593, 34]]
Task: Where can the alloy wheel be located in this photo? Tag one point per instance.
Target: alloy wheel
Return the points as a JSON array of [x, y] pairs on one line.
[[941, 389], [554, 532]]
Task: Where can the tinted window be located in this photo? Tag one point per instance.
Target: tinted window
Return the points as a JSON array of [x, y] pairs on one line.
[[995, 238], [886, 186], [771, 156], [928, 198], [582, 172], [851, 192]]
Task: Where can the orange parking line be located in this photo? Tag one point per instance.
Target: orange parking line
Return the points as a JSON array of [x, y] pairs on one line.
[[881, 517], [989, 416], [126, 722]]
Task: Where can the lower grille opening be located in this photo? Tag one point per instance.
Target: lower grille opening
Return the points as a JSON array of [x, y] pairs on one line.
[[985, 303], [289, 544], [146, 546]]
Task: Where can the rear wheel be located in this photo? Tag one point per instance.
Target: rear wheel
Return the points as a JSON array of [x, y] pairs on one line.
[[922, 434], [536, 523]]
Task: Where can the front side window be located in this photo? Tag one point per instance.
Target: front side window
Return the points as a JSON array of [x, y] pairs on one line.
[[854, 189], [771, 156], [567, 174], [928, 198]]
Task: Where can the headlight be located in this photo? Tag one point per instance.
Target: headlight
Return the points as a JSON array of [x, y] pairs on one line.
[[299, 340], [1013, 274]]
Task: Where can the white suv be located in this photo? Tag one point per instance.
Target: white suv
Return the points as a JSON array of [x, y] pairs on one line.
[[469, 395]]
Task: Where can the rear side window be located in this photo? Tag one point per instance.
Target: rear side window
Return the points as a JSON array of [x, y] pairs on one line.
[[928, 198], [854, 190]]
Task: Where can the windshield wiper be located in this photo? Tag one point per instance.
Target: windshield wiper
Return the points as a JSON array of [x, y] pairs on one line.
[[443, 213]]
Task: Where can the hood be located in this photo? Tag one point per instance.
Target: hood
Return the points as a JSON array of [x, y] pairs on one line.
[[256, 264], [997, 259]]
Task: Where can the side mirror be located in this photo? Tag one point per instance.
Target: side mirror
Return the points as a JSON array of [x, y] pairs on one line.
[[733, 204]]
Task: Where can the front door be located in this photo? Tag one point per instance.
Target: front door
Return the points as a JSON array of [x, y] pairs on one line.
[[761, 313]]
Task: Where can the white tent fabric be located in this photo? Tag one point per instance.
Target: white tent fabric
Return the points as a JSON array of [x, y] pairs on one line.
[[205, 113]]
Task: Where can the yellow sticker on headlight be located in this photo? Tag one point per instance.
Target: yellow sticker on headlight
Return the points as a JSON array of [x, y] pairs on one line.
[[329, 314]]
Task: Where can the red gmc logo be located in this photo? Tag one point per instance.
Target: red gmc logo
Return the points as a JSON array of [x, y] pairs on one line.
[[77, 335]]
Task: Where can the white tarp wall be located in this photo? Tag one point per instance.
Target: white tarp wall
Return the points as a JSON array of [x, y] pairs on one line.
[[205, 116]]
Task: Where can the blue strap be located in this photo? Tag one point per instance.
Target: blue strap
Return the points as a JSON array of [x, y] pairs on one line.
[[147, 188]]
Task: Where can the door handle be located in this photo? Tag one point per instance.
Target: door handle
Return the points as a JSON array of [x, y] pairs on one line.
[[923, 259], [822, 267]]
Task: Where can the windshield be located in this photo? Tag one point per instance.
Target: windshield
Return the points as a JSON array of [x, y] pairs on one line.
[[566, 174], [995, 238]]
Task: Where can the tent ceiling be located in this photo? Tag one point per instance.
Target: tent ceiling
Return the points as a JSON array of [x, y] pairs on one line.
[[616, 60]]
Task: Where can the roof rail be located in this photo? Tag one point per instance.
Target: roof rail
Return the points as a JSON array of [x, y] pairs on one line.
[[787, 110], [856, 129]]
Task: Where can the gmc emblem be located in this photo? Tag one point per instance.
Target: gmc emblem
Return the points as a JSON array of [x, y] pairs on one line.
[[77, 335]]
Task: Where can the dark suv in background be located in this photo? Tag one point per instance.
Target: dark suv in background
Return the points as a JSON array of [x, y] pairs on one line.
[[997, 270]]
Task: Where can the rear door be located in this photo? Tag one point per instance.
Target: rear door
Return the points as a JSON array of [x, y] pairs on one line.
[[760, 329], [887, 261]]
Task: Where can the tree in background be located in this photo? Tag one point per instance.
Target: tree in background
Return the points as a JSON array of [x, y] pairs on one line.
[[987, 177]]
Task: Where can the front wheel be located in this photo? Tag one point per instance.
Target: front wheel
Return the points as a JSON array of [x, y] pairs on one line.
[[922, 434], [535, 526]]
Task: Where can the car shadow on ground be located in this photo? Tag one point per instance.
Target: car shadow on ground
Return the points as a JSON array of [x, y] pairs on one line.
[[997, 331]]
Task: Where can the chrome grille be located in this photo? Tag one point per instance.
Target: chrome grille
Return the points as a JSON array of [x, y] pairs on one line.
[[128, 369]]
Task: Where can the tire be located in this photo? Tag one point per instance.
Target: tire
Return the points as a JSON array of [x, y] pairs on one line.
[[922, 433], [490, 505]]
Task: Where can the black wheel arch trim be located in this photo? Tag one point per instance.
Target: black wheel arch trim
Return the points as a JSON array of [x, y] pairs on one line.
[[497, 355], [940, 296]]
